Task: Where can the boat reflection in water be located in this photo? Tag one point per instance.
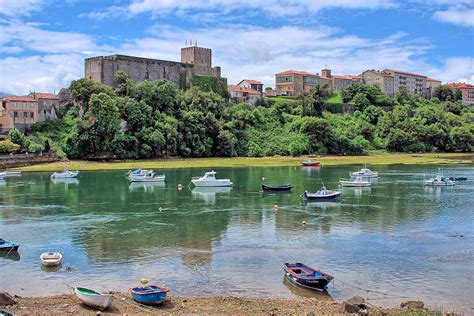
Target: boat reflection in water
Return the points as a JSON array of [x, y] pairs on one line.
[[12, 255], [208, 194], [323, 205], [302, 292], [146, 186], [51, 268], [310, 170], [357, 191], [65, 181]]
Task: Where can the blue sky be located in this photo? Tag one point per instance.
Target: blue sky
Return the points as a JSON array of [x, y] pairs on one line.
[[44, 42]]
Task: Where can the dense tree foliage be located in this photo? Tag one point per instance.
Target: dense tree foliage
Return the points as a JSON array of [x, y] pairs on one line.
[[154, 119]]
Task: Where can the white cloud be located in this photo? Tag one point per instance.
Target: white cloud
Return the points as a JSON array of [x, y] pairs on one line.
[[459, 16], [455, 69], [20, 7]]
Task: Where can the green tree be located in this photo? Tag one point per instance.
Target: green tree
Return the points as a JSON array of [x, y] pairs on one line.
[[361, 101], [444, 93], [315, 106], [8, 147], [402, 96]]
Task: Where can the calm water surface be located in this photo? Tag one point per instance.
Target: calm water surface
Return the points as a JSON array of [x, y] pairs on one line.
[[397, 237]]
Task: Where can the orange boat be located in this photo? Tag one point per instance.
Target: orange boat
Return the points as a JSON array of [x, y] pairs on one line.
[[309, 163]]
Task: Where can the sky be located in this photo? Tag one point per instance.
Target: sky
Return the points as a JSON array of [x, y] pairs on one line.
[[43, 43]]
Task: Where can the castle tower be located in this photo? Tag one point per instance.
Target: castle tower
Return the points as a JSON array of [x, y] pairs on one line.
[[200, 57], [326, 73]]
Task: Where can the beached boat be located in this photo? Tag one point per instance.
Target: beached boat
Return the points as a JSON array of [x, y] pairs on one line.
[[322, 194], [354, 182], [148, 177], [93, 298], [209, 180], [7, 245], [149, 295], [287, 187], [309, 163], [365, 173], [307, 277], [50, 259], [439, 181], [65, 174]]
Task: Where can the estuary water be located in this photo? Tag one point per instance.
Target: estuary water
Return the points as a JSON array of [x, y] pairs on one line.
[[397, 237]]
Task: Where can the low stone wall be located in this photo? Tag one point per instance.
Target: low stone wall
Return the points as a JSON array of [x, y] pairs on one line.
[[12, 161]]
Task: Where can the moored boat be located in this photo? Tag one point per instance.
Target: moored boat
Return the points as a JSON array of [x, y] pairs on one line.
[[2, 175], [139, 172], [309, 163], [365, 173], [7, 245], [354, 182], [65, 174], [50, 259], [322, 194], [457, 178], [439, 181], [93, 298], [12, 173], [287, 187], [209, 180], [307, 277], [149, 295], [148, 177]]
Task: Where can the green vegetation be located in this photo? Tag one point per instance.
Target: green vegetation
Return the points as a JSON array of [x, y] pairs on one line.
[[211, 84], [336, 98], [153, 119]]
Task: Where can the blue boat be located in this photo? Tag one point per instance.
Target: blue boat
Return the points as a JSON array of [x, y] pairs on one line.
[[149, 295], [307, 277], [6, 245]]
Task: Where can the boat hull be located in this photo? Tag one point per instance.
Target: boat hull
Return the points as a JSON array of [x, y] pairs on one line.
[[354, 184], [279, 188], [146, 179], [314, 197], [214, 183], [307, 277], [310, 164], [9, 246], [97, 300], [51, 259], [150, 295], [65, 175]]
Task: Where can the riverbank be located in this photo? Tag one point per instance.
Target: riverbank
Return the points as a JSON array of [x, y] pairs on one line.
[[374, 159], [123, 304]]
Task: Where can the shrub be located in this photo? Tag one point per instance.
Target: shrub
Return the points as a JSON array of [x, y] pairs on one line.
[[7, 147]]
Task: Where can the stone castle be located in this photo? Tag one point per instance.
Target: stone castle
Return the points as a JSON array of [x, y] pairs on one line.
[[194, 61]]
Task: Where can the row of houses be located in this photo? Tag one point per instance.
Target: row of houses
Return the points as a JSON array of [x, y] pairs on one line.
[[294, 82], [23, 111]]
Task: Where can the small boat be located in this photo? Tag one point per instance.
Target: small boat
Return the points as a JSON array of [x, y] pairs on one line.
[[286, 187], [2, 175], [146, 177], [7, 245], [149, 295], [457, 178], [307, 277], [439, 181], [365, 173], [93, 298], [139, 172], [50, 259], [309, 163], [65, 174], [12, 173], [355, 182], [209, 180], [322, 194]]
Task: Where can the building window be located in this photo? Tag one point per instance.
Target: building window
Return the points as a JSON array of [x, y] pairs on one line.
[[281, 79], [25, 114], [32, 115], [15, 114], [310, 80]]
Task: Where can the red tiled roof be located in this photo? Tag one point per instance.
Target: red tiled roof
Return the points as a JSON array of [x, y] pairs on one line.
[[251, 81], [431, 79], [324, 77], [242, 89], [20, 98], [355, 76], [404, 72], [42, 95], [460, 85], [342, 77], [296, 72]]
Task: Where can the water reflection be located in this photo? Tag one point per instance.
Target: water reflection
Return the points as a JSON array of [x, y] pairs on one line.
[[208, 194], [51, 268], [12, 255], [146, 186], [322, 205], [65, 181], [302, 292], [356, 191]]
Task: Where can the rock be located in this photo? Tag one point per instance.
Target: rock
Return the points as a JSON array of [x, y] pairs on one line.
[[356, 300], [350, 308], [65, 305], [98, 313], [412, 304], [6, 299], [363, 312]]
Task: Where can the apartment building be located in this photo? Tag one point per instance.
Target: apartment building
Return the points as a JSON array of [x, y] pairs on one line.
[[46, 104], [294, 82], [382, 79], [17, 111], [431, 85], [240, 94], [413, 82], [467, 91], [251, 84]]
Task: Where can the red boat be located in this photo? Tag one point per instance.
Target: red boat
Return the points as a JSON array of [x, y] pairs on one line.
[[309, 163]]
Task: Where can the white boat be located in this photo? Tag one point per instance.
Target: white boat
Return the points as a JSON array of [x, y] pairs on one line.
[[2, 175], [322, 194], [50, 259], [354, 182], [65, 174], [93, 298], [439, 181], [366, 173], [148, 177], [209, 180], [139, 172]]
